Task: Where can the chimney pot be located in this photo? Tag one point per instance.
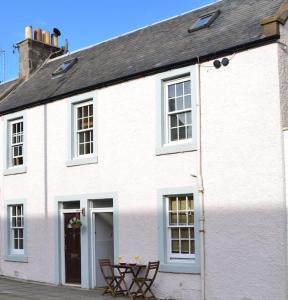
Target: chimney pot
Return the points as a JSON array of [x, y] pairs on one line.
[[28, 32], [38, 34]]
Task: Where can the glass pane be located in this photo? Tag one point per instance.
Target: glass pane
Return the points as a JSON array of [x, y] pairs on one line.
[[174, 134], [173, 218], [13, 222], [173, 203], [20, 150], [192, 247], [85, 111], [182, 203], [21, 244], [81, 149], [187, 87], [79, 125], [173, 120], [171, 104], [179, 89], [79, 112], [90, 125], [87, 136], [15, 233], [190, 202], [185, 247], [182, 218], [184, 233], [15, 244], [171, 91], [85, 123], [191, 218], [87, 148], [189, 132], [81, 137], [21, 233], [91, 110], [188, 118], [187, 100], [192, 235], [19, 223], [182, 133], [13, 210], [175, 233], [175, 246], [179, 103], [181, 119], [15, 151]]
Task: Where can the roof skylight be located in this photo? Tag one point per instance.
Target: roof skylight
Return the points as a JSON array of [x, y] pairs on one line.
[[65, 66], [204, 21]]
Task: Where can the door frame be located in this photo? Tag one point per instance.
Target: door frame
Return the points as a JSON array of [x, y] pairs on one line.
[[62, 245], [94, 211]]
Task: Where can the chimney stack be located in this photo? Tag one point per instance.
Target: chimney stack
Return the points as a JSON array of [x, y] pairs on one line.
[[33, 52]]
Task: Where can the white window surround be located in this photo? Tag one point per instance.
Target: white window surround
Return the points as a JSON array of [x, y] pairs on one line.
[[163, 143], [73, 158], [9, 120], [171, 262], [18, 254]]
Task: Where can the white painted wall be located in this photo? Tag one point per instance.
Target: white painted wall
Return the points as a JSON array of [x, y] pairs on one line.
[[242, 166], [243, 178]]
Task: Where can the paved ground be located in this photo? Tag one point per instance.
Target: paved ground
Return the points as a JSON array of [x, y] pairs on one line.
[[15, 290]]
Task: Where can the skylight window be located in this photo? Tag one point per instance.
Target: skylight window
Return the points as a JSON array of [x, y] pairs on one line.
[[204, 21], [64, 67]]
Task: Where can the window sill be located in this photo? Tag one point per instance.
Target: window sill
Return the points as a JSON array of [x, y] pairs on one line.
[[82, 161], [179, 268], [15, 170], [16, 258], [179, 148]]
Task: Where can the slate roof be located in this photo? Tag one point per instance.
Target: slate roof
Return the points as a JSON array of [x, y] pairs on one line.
[[157, 47]]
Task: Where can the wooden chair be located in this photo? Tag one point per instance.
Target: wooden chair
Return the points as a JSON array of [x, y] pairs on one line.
[[113, 282], [144, 284]]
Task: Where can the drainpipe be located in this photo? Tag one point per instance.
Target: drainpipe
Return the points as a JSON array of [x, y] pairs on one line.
[[200, 183]]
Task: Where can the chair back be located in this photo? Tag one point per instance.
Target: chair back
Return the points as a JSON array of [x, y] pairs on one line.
[[106, 268], [152, 270]]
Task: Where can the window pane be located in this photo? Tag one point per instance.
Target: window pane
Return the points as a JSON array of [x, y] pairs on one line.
[[81, 149], [182, 218], [21, 233], [175, 247], [187, 100], [171, 104], [173, 218], [85, 123], [191, 218], [21, 244], [182, 133], [192, 233], [85, 111], [91, 110], [90, 122], [15, 244], [179, 103], [173, 203], [181, 119], [184, 233], [190, 202], [187, 87], [87, 136], [79, 112], [192, 247], [189, 132], [179, 89], [174, 134], [188, 118], [171, 91], [81, 137], [185, 247], [175, 233], [182, 203], [173, 120], [87, 148]]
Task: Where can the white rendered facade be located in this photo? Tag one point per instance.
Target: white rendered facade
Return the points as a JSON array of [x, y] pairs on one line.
[[243, 177]]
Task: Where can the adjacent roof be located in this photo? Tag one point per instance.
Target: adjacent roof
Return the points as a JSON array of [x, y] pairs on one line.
[[159, 47]]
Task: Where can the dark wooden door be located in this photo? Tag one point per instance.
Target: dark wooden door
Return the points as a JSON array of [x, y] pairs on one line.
[[72, 250]]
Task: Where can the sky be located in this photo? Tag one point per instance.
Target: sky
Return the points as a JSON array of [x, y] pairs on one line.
[[83, 23]]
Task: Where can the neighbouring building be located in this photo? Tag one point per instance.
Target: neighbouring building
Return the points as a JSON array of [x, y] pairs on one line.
[[168, 143]]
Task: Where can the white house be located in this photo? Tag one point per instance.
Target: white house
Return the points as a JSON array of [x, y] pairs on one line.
[[168, 143]]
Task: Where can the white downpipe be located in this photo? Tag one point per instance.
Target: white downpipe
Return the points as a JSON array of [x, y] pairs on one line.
[[200, 184]]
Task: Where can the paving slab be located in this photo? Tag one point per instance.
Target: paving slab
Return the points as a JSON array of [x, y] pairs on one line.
[[18, 290]]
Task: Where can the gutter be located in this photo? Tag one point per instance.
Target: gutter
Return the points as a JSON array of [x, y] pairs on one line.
[[201, 59]]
